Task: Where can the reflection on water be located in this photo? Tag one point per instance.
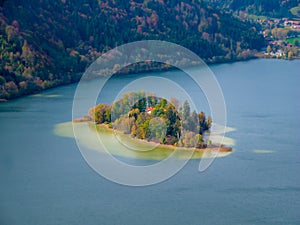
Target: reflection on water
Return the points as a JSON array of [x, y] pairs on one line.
[[47, 96], [263, 151]]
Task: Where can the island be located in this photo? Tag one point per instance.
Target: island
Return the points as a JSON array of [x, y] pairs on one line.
[[154, 120]]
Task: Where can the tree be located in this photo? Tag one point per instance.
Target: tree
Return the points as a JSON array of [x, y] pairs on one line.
[[107, 114], [172, 120], [200, 141], [186, 110], [124, 124], [160, 108], [142, 124], [152, 100], [141, 104], [163, 125], [290, 54], [202, 123], [189, 139], [269, 49], [158, 129], [134, 113], [59, 49], [274, 32], [2, 80], [100, 113], [134, 130], [208, 122], [174, 102]]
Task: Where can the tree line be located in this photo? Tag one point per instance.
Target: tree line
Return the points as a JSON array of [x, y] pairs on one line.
[[51, 42], [154, 119]]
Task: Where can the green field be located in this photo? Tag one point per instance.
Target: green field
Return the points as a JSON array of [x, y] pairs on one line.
[[295, 11], [255, 17], [292, 40]]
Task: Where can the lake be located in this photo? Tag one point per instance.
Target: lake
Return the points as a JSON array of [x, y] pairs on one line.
[[45, 180]]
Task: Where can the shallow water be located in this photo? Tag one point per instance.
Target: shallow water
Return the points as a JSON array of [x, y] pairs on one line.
[[44, 179], [101, 139]]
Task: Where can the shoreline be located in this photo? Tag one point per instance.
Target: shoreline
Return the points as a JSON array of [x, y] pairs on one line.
[[255, 57], [211, 148], [148, 70], [262, 55]]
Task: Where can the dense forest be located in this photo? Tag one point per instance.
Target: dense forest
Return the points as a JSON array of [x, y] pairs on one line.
[[154, 119], [271, 8], [47, 43]]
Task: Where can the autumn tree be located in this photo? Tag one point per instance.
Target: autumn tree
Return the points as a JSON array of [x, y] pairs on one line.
[[100, 113], [163, 124], [269, 49]]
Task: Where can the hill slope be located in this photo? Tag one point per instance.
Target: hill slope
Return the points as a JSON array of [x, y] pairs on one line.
[[51, 42]]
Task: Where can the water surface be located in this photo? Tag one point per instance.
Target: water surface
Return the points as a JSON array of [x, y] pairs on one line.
[[44, 179]]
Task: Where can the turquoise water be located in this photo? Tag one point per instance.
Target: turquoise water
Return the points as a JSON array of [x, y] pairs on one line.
[[44, 179]]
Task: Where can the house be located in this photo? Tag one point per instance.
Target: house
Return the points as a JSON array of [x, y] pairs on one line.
[[296, 27], [149, 110]]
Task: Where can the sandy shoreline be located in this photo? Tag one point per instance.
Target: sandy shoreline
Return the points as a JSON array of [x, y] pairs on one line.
[[211, 148]]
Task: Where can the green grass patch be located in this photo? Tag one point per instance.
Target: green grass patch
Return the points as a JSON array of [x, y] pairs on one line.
[[295, 11], [255, 17], [292, 40]]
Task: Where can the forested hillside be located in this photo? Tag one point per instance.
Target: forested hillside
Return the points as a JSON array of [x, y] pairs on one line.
[[45, 43]]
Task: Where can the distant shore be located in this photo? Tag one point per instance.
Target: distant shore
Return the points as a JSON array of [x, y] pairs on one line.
[[262, 55], [258, 55], [156, 68]]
